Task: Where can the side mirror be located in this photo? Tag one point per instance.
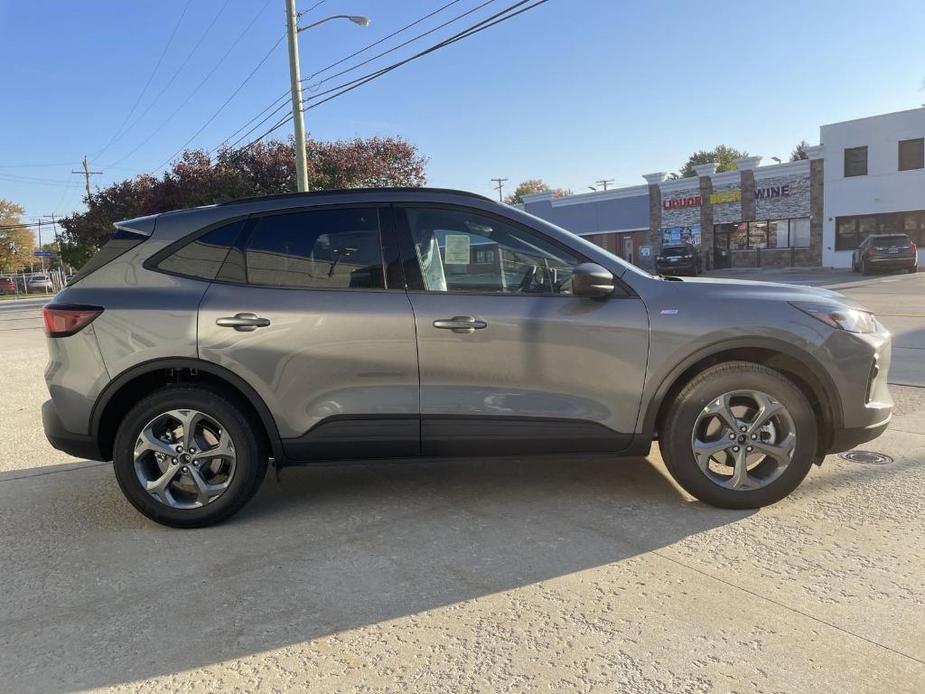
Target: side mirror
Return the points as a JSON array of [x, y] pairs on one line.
[[591, 281]]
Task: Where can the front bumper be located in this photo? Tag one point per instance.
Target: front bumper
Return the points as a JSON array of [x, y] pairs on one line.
[[846, 439], [77, 445]]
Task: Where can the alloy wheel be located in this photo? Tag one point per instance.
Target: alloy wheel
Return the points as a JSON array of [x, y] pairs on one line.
[[184, 458], [743, 440]]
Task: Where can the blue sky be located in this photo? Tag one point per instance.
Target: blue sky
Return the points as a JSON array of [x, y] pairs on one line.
[[573, 91]]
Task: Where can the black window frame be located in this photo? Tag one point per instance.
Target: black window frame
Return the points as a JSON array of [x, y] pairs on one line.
[[919, 162], [412, 271], [848, 161]]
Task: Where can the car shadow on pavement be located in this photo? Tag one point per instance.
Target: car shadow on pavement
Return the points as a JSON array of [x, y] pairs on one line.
[[96, 595]]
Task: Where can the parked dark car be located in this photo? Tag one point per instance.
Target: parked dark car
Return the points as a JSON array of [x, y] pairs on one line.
[[7, 285], [679, 258], [886, 252]]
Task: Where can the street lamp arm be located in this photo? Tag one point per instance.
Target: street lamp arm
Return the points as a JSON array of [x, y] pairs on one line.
[[362, 21]]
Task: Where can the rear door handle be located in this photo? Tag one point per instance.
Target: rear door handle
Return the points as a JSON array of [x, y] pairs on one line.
[[460, 324], [243, 322]]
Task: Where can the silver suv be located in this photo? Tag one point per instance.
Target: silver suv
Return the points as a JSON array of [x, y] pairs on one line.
[[199, 344]]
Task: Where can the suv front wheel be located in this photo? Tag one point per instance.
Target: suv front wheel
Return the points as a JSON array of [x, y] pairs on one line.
[[739, 435], [186, 456]]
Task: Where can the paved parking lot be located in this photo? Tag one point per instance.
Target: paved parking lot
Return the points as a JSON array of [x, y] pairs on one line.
[[562, 573]]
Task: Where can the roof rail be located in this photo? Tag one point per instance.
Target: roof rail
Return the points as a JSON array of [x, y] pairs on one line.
[[349, 191]]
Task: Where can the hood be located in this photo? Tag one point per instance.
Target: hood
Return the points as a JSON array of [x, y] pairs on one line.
[[720, 288]]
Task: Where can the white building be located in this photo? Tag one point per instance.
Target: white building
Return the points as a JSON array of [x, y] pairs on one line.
[[874, 182]]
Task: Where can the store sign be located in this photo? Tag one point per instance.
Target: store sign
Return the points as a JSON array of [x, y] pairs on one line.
[[772, 192], [677, 203], [725, 196]]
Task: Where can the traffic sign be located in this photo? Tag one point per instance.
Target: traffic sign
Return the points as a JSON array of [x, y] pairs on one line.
[[43, 254]]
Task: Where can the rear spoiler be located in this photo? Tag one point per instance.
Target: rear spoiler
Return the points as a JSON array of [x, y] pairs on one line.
[[139, 225]]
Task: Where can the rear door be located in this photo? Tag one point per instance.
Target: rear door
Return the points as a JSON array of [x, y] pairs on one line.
[[510, 361], [300, 309]]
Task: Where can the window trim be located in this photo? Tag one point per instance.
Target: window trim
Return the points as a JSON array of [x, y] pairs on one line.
[[415, 281], [899, 160], [866, 161], [152, 262]]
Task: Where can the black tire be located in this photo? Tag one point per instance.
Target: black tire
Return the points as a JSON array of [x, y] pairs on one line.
[[913, 269], [250, 454], [678, 427]]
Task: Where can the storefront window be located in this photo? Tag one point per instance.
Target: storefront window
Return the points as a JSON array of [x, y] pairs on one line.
[[846, 234], [778, 233], [800, 233], [738, 239], [851, 231], [757, 234], [673, 235]]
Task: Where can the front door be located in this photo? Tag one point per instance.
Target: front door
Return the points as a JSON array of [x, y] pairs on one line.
[[721, 257], [300, 310], [510, 361]]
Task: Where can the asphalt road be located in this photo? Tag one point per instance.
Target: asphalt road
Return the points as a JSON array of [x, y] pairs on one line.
[[563, 573]]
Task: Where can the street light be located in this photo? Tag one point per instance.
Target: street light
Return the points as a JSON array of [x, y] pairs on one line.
[[298, 119]]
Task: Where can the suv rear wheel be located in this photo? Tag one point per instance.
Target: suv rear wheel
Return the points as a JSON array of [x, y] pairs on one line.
[[739, 435], [185, 456]]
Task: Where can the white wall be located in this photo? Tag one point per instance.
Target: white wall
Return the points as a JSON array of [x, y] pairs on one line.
[[884, 188]]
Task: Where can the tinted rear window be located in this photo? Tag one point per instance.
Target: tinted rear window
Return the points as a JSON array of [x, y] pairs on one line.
[[675, 250], [121, 242], [202, 257], [890, 240]]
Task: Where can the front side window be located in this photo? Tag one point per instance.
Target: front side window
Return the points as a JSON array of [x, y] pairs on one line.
[[912, 154], [856, 161], [203, 256], [320, 249], [461, 250]]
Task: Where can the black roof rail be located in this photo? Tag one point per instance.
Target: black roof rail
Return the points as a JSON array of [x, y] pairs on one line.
[[349, 191]]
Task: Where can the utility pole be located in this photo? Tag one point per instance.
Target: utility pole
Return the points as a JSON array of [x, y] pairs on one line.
[[295, 79], [86, 173], [604, 182], [500, 187]]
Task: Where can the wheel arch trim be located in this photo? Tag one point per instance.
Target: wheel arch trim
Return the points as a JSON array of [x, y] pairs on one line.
[[177, 363], [830, 391]]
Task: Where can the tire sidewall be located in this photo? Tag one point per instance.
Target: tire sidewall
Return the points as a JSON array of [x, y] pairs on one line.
[[250, 460], [679, 457]]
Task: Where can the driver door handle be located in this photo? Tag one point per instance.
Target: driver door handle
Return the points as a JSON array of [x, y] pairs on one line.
[[461, 324], [243, 322]]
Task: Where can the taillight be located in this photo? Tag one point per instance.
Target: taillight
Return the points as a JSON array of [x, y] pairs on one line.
[[62, 320]]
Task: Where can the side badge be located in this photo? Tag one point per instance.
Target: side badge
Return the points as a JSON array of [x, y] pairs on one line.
[[669, 311]]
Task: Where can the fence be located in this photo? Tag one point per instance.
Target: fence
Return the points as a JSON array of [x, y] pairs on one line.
[[32, 283]]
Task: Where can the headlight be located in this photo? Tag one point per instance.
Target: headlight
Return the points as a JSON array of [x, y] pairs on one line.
[[849, 319]]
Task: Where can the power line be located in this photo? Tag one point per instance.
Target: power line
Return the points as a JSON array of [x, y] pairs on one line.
[[201, 84], [117, 132], [179, 69], [383, 40], [86, 173], [285, 96], [487, 23], [401, 45]]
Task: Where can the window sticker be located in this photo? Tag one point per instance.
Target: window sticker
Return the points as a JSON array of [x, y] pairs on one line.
[[456, 251]]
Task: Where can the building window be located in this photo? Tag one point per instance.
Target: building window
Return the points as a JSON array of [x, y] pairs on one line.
[[856, 161], [757, 234], [800, 233], [850, 232], [672, 235], [912, 154], [772, 233]]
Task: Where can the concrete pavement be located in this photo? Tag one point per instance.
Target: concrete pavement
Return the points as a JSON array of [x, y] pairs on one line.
[[562, 573]]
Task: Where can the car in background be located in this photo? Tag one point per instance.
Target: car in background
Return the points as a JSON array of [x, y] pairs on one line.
[[7, 285], [40, 283], [886, 252], [679, 258]]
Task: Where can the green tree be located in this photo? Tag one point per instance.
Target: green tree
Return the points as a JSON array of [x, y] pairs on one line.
[[265, 168], [16, 242], [723, 155], [532, 186], [799, 152]]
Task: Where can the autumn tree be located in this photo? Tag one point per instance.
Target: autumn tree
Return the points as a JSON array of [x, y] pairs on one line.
[[265, 168], [723, 155], [532, 186], [16, 242]]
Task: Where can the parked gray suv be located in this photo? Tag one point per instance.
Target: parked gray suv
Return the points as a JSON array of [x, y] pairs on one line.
[[199, 344]]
